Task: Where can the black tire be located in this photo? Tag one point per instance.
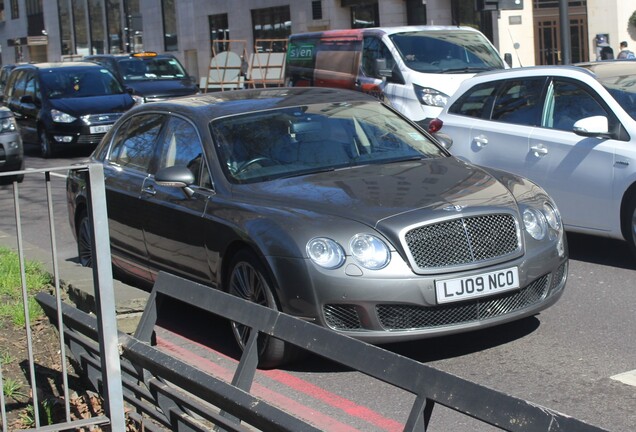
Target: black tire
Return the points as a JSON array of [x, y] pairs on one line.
[[248, 280], [84, 243], [46, 146]]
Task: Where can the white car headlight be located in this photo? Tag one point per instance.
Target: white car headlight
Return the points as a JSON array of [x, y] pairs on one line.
[[325, 252], [369, 251], [62, 117], [535, 223], [552, 216], [430, 96], [8, 124]]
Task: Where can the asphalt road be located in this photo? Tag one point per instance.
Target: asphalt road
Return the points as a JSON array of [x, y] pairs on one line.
[[569, 358]]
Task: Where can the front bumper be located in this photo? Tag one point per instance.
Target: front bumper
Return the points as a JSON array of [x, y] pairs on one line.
[[393, 308]]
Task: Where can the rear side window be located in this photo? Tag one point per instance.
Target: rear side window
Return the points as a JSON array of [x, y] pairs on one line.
[[519, 102], [476, 102], [135, 142]]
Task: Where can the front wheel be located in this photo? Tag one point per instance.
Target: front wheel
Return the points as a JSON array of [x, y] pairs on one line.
[[248, 280], [84, 242], [46, 146]]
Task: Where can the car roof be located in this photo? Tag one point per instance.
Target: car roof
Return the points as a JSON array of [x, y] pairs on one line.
[[607, 69], [382, 30], [530, 71], [219, 104], [55, 65], [128, 55]]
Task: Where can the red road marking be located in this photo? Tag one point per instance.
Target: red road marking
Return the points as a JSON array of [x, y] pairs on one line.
[[319, 420]]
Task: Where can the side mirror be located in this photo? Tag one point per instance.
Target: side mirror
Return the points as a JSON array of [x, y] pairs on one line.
[[27, 99], [445, 140], [177, 177], [596, 126], [508, 59]]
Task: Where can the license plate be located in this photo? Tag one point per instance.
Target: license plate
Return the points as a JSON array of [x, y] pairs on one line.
[[100, 129], [485, 284]]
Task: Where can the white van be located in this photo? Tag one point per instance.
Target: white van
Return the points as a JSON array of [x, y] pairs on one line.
[[415, 68]]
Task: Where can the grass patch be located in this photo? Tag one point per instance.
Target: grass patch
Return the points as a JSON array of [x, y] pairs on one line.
[[11, 305]]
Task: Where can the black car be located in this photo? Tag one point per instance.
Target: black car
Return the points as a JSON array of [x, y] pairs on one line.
[[325, 204], [148, 75], [65, 104]]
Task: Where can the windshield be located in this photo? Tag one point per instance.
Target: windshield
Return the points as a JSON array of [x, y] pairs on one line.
[[302, 140], [623, 89], [66, 82], [447, 51], [151, 68]]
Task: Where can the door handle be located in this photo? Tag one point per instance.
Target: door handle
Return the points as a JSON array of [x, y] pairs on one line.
[[480, 141], [539, 150], [149, 191]]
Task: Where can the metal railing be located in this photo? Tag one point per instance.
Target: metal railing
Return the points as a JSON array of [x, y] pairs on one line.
[[190, 399], [103, 280]]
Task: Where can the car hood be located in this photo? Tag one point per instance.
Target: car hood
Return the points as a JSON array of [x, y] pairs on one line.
[[163, 88], [80, 106], [388, 196]]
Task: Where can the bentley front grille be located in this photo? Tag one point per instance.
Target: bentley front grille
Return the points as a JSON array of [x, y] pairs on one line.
[[463, 241]]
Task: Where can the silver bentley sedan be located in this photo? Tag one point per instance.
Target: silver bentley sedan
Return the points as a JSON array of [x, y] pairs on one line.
[[327, 205]]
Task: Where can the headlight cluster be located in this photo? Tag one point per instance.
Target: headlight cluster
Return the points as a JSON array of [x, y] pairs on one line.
[[430, 96], [8, 124], [61, 117], [542, 221], [367, 250]]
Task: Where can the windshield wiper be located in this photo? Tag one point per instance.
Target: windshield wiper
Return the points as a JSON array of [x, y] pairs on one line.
[[467, 69]]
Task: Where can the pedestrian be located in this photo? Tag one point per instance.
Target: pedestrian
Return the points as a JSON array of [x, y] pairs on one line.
[[625, 53], [607, 53]]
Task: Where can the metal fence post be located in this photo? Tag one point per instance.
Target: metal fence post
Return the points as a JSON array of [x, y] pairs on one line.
[[105, 298]]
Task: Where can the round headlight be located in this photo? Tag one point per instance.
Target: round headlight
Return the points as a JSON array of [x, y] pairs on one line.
[[369, 251], [325, 252], [552, 216], [534, 222]]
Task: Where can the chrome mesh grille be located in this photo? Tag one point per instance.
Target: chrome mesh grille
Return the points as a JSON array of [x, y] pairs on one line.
[[463, 241], [90, 139], [342, 317], [401, 317]]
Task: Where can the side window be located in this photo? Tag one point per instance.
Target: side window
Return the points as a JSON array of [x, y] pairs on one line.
[[375, 57], [20, 85], [519, 102], [134, 144], [30, 87], [476, 102], [181, 146], [570, 102]]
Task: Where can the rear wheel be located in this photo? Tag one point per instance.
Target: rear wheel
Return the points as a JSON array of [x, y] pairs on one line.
[[84, 243], [248, 280]]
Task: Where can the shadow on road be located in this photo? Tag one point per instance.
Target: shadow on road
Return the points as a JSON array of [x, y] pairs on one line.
[[600, 250]]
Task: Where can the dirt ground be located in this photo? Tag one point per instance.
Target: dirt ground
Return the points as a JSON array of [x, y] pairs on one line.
[[84, 403]]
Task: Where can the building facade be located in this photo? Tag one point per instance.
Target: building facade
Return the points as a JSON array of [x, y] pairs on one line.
[[528, 30]]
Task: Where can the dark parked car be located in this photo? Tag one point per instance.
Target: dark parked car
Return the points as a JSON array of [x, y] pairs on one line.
[[11, 149], [149, 76], [62, 105], [327, 205]]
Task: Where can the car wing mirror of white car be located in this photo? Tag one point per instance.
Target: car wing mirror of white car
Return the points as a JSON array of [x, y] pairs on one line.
[[177, 177], [596, 126]]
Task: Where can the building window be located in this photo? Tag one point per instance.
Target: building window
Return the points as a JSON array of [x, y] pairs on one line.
[[134, 26], [96, 18], [15, 9], [169, 14], [114, 20], [219, 32], [364, 16], [80, 25], [415, 12], [66, 34], [316, 10], [272, 23]]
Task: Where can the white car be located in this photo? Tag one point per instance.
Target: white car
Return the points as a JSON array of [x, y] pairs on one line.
[[571, 129]]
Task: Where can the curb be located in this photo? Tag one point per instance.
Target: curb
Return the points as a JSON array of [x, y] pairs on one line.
[[77, 284]]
